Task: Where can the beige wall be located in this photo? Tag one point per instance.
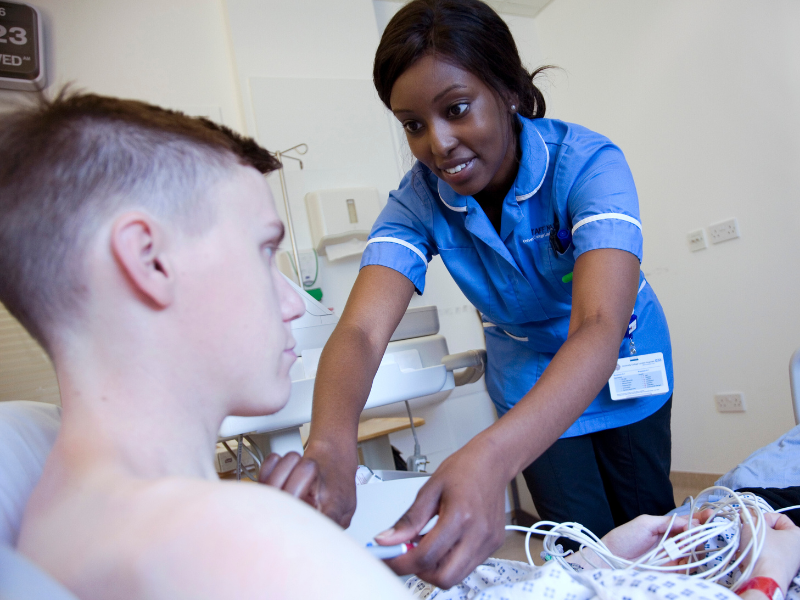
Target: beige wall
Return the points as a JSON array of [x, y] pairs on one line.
[[175, 53], [702, 96], [198, 55], [171, 52], [323, 40]]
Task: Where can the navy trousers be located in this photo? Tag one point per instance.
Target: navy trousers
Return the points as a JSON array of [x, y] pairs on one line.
[[604, 479]]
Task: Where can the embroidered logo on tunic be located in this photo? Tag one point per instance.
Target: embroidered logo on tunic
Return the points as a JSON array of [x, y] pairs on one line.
[[540, 233]]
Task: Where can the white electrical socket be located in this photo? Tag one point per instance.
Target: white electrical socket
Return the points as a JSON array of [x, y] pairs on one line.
[[723, 231], [697, 240], [730, 402]]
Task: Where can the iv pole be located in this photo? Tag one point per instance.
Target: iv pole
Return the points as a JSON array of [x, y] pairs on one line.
[[300, 149]]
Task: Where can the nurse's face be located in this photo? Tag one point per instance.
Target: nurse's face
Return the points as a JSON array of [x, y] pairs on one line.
[[458, 127]]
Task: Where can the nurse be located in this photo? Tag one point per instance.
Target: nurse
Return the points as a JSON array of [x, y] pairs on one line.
[[537, 221]]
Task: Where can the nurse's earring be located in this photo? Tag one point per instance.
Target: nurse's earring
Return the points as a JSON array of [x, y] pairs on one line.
[[513, 108]]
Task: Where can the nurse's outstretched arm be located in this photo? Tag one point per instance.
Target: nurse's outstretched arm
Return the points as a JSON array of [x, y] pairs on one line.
[[467, 490], [346, 369]]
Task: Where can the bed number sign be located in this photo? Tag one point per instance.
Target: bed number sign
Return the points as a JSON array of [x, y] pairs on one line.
[[21, 47]]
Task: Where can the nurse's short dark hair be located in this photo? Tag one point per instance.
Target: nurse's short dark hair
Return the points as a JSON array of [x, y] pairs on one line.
[[467, 33], [67, 165]]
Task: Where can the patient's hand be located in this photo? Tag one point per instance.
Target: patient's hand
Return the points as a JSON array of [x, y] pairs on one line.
[[639, 536], [633, 539], [294, 474], [337, 462], [780, 556]]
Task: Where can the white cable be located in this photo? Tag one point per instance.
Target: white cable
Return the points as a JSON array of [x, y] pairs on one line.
[[709, 550], [254, 447]]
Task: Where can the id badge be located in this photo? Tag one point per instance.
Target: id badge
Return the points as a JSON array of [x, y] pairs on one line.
[[639, 376]]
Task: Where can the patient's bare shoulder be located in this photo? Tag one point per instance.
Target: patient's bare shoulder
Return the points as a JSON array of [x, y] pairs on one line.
[[260, 538], [192, 538]]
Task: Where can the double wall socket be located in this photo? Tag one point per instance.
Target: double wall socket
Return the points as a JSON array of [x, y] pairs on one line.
[[730, 402], [723, 231]]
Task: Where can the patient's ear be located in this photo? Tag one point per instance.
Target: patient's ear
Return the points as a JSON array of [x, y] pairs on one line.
[[138, 244]]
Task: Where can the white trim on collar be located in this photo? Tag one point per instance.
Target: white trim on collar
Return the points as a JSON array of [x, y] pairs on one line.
[[519, 198], [546, 165], [411, 247], [486, 325], [519, 339], [453, 208], [600, 217]]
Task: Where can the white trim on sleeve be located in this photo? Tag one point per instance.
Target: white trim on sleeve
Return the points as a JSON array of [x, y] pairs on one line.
[[411, 247], [600, 217], [546, 164]]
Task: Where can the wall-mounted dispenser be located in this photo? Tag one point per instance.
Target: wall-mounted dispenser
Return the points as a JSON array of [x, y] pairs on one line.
[[341, 219]]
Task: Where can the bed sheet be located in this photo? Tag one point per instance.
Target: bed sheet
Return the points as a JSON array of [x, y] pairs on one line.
[[498, 579]]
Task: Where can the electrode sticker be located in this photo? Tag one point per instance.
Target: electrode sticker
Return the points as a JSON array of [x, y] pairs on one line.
[[639, 376]]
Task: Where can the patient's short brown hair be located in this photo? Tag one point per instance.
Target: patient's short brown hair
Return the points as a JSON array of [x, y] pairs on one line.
[[69, 164]]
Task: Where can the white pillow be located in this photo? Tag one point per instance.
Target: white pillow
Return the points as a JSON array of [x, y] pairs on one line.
[[22, 580], [27, 433]]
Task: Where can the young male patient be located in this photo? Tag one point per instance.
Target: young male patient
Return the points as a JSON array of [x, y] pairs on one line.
[[137, 246]]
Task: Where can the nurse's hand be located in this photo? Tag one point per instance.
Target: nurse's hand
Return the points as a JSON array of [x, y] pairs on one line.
[[292, 473], [468, 493], [336, 480]]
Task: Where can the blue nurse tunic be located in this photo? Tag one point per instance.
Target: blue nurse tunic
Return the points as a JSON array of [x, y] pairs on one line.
[[569, 178]]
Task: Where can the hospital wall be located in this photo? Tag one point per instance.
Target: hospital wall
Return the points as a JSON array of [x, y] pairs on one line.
[[199, 56], [170, 52], [702, 96], [319, 46], [699, 95]]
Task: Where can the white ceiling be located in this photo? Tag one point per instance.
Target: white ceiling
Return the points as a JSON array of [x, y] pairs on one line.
[[524, 8]]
